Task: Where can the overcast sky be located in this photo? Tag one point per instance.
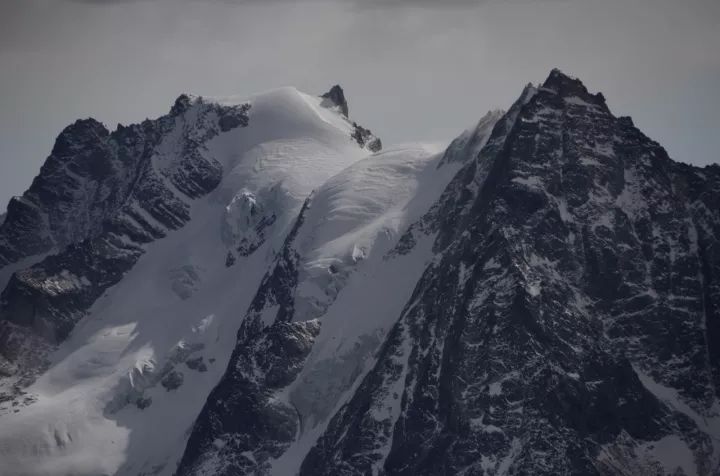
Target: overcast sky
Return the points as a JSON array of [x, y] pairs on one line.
[[411, 69]]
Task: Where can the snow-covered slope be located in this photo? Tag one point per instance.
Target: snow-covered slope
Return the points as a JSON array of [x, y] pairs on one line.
[[338, 271], [107, 402], [247, 286]]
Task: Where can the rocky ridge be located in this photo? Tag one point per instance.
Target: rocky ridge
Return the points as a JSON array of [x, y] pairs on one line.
[[542, 297]]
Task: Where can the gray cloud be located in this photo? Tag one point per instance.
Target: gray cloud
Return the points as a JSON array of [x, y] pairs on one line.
[[432, 4], [423, 72], [107, 3]]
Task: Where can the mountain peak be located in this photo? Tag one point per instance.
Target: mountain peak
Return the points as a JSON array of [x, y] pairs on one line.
[[83, 127], [567, 86], [182, 103], [557, 79], [541, 298], [336, 98]]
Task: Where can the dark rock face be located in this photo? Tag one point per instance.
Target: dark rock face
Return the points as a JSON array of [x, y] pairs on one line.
[[576, 283], [92, 176], [172, 380], [81, 183], [365, 138], [143, 403], [49, 298], [336, 98], [181, 105], [242, 426], [234, 117], [99, 197], [246, 224], [196, 364]]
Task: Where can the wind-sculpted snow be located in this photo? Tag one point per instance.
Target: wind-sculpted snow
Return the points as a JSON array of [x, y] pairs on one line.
[[115, 330], [257, 294], [342, 235]]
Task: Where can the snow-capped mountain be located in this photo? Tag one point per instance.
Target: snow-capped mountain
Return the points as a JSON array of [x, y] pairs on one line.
[[250, 286]]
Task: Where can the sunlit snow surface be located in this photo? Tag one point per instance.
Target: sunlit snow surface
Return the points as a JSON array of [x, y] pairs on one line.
[[179, 298]]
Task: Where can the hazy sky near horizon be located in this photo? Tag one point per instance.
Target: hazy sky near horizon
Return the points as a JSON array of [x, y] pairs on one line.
[[412, 69]]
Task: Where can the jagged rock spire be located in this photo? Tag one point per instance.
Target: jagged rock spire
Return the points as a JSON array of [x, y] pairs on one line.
[[336, 97], [182, 103], [566, 86]]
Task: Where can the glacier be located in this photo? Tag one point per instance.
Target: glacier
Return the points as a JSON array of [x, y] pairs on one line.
[[250, 285]]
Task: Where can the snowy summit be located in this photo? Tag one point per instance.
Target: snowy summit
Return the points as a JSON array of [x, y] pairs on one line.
[[255, 286]]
